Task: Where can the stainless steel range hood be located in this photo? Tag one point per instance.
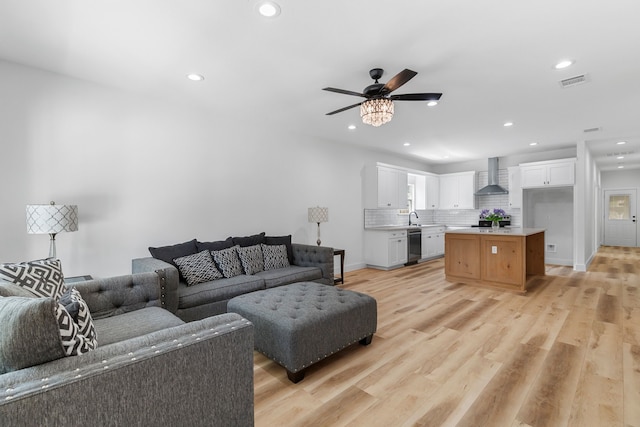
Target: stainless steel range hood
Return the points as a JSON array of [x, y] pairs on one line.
[[493, 187]]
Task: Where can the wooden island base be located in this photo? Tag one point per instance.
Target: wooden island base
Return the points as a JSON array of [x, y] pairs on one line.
[[499, 259]]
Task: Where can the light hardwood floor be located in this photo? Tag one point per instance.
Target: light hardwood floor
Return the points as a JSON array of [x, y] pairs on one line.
[[567, 353]]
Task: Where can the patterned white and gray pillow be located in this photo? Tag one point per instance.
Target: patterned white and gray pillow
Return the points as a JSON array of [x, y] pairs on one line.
[[227, 261], [79, 313], [74, 342], [251, 258], [198, 268], [275, 256], [43, 277]]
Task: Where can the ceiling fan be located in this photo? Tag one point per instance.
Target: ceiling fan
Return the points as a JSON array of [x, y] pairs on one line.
[[377, 109]]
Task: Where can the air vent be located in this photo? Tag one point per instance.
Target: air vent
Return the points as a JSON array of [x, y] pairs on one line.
[[573, 81], [592, 130], [620, 153]]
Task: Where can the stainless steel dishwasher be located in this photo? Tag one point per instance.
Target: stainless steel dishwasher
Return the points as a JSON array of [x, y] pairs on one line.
[[414, 240]]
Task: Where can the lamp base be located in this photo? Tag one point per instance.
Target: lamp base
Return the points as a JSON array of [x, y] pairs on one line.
[[52, 245], [318, 241]]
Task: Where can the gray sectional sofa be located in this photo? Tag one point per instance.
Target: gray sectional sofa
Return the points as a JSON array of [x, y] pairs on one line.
[[307, 263], [150, 368]]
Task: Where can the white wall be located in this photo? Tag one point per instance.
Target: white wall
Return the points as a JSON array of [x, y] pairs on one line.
[[620, 179], [145, 172]]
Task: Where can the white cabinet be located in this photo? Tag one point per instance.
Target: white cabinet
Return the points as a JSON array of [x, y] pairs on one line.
[[432, 242], [433, 191], [397, 251], [515, 188], [457, 190], [392, 188], [546, 174], [385, 249]]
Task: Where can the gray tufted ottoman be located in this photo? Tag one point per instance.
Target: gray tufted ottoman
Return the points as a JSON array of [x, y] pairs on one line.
[[299, 324]]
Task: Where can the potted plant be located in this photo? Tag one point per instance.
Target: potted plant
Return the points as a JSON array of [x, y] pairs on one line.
[[494, 216]]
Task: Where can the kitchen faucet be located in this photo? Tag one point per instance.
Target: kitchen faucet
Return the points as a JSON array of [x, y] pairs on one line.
[[415, 213]]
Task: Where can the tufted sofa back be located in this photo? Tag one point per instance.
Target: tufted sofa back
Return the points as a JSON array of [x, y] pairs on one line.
[[117, 295], [315, 256]]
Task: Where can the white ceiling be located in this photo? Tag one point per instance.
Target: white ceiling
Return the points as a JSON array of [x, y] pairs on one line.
[[492, 60]]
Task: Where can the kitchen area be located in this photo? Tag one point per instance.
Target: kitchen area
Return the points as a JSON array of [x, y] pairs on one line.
[[409, 213]]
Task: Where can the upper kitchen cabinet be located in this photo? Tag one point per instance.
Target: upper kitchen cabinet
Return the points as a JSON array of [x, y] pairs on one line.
[[385, 187], [433, 191], [457, 190], [549, 173], [515, 187]]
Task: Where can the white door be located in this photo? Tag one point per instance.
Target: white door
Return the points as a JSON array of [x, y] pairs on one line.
[[620, 217]]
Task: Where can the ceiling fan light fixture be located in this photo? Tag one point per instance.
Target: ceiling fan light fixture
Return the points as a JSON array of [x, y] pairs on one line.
[[376, 112]]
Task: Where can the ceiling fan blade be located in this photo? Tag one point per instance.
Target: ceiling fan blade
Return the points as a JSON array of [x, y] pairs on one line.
[[398, 80], [345, 92], [343, 109], [416, 97]]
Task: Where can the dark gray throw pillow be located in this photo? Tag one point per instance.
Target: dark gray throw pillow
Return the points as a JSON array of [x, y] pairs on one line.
[[70, 304], [215, 246], [256, 239], [169, 253]]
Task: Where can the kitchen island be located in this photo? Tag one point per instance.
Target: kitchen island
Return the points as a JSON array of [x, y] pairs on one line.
[[502, 258]]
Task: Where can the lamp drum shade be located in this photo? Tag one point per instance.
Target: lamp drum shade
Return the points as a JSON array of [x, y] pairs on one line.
[[51, 219], [318, 214]]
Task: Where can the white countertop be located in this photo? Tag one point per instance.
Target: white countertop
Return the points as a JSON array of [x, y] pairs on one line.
[[503, 230], [403, 227]]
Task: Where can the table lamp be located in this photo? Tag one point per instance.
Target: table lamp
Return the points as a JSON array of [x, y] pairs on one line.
[[318, 215], [51, 219]]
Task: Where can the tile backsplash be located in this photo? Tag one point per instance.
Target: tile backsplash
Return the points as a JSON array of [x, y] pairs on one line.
[[379, 217]]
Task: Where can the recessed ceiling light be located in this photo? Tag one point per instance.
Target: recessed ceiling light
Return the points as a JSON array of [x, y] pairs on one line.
[[620, 157], [621, 167], [533, 143], [268, 9], [406, 144], [351, 127], [507, 124], [563, 64], [432, 103], [195, 77], [621, 142]]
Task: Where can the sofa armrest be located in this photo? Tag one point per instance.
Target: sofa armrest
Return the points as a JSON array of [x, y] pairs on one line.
[[315, 256], [168, 275], [121, 294], [198, 374]]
